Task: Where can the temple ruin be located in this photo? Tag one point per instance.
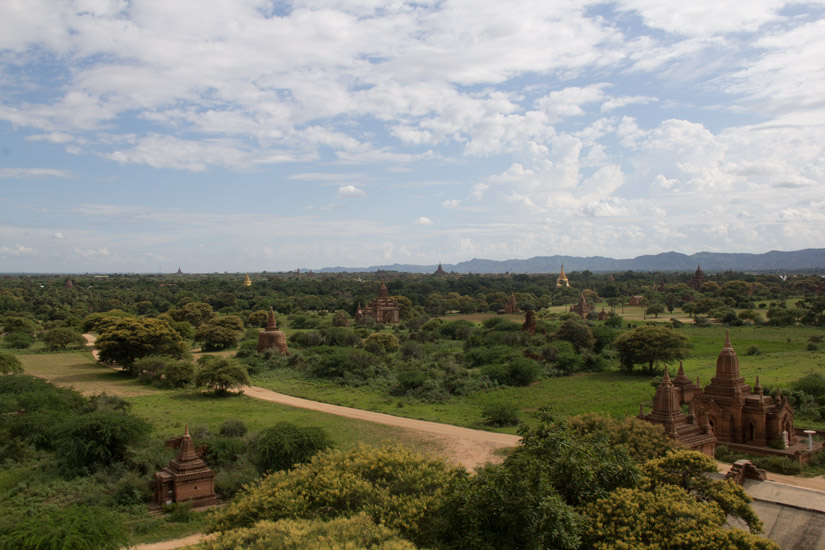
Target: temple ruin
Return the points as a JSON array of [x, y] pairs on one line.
[[383, 309], [271, 337], [187, 478], [582, 307]]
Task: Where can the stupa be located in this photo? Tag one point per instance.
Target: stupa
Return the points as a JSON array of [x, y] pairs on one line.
[[247, 281], [271, 337], [562, 280]]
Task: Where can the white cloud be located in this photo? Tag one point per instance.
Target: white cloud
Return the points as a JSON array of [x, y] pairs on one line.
[[34, 173], [350, 191], [423, 221], [58, 236], [451, 203], [17, 250]]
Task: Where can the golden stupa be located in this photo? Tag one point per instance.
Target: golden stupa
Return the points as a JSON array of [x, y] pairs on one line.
[[562, 280], [247, 281]]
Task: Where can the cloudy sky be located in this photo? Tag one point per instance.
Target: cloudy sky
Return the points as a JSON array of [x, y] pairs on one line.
[[249, 135]]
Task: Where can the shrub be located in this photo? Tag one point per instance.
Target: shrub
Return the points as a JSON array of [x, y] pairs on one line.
[[131, 488], [98, 438], [778, 464], [9, 364], [753, 350], [395, 487], [70, 527], [500, 413], [62, 338], [284, 445], [221, 374], [381, 342], [229, 481], [18, 340], [233, 427]]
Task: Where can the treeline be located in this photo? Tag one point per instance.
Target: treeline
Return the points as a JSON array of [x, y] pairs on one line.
[[47, 299]]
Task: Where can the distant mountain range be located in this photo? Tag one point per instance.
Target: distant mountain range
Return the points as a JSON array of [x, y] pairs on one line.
[[773, 261]]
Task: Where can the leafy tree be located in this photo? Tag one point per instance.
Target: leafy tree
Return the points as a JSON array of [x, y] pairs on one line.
[[642, 440], [576, 333], [651, 345], [284, 445], [257, 318], [95, 321], [71, 528], [213, 336], [665, 518], [689, 470], [655, 309], [221, 374], [98, 438], [166, 371], [194, 313], [62, 338], [358, 531], [125, 340], [9, 364], [381, 341], [395, 487], [500, 413], [19, 324], [18, 340]]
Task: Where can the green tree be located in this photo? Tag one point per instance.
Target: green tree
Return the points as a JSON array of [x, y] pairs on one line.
[[62, 338], [221, 374], [395, 487], [9, 364], [576, 333], [651, 345], [98, 438], [358, 531], [124, 340], [382, 341], [655, 309], [74, 527], [284, 445]]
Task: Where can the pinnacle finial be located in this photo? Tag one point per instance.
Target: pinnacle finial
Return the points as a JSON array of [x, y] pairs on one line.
[[185, 430], [727, 339], [666, 376]]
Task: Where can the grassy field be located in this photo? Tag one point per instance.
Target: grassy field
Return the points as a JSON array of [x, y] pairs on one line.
[[169, 410], [784, 359]]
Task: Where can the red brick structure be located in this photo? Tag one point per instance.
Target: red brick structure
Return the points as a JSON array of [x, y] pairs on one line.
[[271, 337], [383, 309], [635, 300], [582, 307], [737, 413], [603, 315], [510, 306], [667, 412], [529, 325], [698, 279], [186, 478], [440, 271], [69, 283]]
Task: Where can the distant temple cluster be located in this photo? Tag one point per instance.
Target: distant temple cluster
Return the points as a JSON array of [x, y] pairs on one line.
[[726, 410], [383, 309]]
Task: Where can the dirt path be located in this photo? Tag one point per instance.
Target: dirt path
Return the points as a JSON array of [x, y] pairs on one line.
[[470, 448]]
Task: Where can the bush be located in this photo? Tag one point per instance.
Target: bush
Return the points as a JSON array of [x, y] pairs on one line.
[[62, 338], [233, 427], [778, 464], [229, 481], [520, 371], [18, 340], [98, 438], [9, 364], [221, 374], [381, 342], [397, 488], [72, 527], [284, 445], [753, 350], [132, 489], [500, 413]]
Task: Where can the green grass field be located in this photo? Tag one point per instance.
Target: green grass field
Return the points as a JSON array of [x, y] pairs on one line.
[[784, 359]]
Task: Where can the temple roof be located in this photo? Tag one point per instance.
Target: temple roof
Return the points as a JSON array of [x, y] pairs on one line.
[[270, 321]]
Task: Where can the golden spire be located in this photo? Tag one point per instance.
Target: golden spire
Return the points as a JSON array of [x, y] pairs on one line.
[[247, 281]]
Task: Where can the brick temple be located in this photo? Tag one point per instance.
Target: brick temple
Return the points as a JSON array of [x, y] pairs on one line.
[[383, 309], [187, 478], [271, 337], [727, 407]]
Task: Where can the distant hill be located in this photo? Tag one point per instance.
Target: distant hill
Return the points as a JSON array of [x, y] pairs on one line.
[[773, 261]]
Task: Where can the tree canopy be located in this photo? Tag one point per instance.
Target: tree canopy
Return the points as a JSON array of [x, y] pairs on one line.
[[650, 345], [124, 340]]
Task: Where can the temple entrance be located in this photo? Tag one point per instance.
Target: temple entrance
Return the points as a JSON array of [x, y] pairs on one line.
[[749, 433]]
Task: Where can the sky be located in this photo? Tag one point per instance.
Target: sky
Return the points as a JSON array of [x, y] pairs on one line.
[[253, 135]]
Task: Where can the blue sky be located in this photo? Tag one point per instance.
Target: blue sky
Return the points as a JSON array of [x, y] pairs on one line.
[[247, 135]]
